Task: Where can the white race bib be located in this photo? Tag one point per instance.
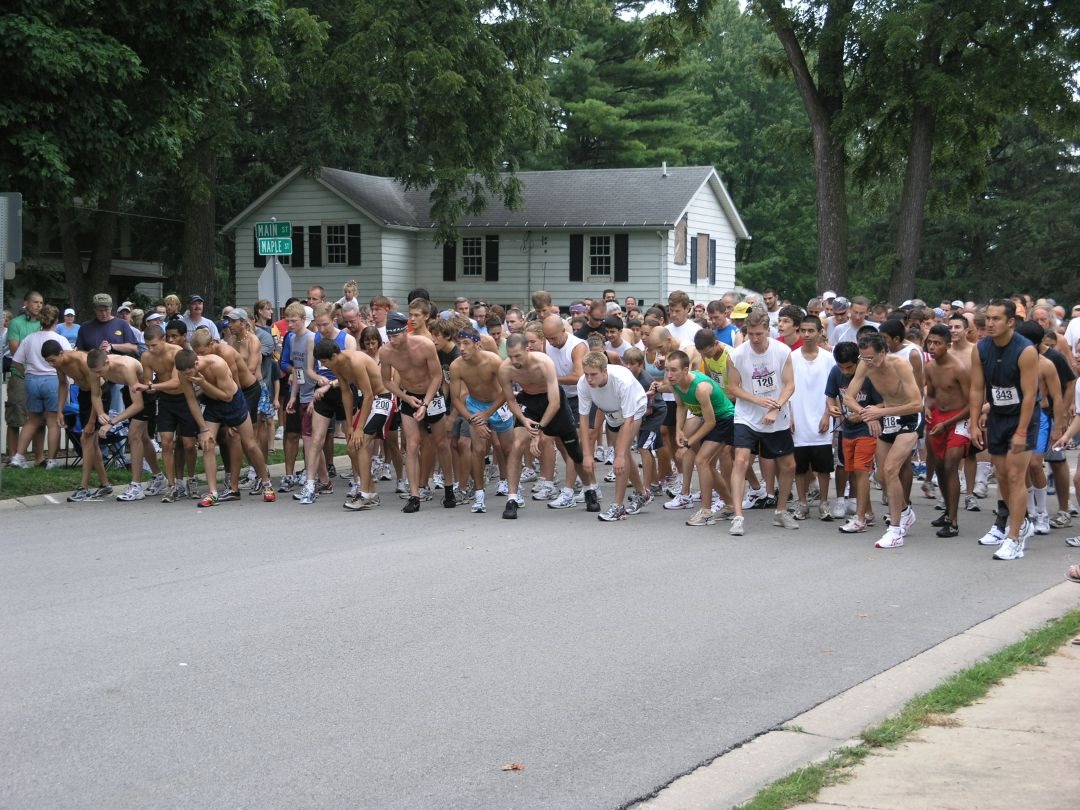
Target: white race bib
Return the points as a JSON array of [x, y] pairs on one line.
[[614, 418], [963, 428], [382, 405], [890, 424], [437, 406], [503, 414], [1005, 397], [301, 377], [763, 386]]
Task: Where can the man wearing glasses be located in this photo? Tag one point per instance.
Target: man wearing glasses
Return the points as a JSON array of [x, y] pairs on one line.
[[899, 415]]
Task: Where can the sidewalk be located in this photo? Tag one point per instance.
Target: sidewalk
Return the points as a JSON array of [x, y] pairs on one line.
[[1016, 748]]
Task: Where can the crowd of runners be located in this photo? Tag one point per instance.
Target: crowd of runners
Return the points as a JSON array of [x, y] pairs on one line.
[[719, 408]]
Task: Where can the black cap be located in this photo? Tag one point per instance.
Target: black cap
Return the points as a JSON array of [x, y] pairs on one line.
[[194, 297], [396, 322]]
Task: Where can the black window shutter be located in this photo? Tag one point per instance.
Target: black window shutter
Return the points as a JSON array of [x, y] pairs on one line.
[[712, 261], [259, 261], [491, 257], [577, 256], [449, 261], [693, 260], [622, 257], [298, 246], [315, 245], [353, 246]]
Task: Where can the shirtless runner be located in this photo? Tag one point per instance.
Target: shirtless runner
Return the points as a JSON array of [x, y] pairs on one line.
[[159, 374], [357, 371], [72, 364], [947, 434], [899, 415], [478, 396], [224, 406], [419, 377], [540, 408]]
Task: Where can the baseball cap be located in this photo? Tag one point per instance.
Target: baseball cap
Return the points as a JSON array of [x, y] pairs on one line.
[[69, 311], [741, 310], [907, 303], [958, 304], [828, 295], [102, 300], [840, 304], [154, 316], [309, 314], [396, 323], [237, 314], [127, 305], [194, 297]]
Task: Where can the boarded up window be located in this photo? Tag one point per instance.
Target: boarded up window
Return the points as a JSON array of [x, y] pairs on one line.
[[315, 246], [353, 252], [680, 241], [491, 257], [622, 257], [298, 246], [449, 261], [577, 256]]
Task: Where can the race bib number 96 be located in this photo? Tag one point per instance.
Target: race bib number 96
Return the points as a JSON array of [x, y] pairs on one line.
[[437, 406]]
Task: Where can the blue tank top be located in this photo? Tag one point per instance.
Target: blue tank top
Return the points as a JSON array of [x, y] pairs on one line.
[[1001, 373], [324, 371]]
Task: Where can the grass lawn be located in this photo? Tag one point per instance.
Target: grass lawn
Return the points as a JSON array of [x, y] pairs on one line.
[[19, 483]]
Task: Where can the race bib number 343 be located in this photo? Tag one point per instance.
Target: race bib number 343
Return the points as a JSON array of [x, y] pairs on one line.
[[1005, 397]]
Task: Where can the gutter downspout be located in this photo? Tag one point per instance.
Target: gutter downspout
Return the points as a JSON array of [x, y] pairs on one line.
[[662, 279]]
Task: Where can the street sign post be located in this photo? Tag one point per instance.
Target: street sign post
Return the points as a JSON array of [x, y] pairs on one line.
[[10, 251], [273, 230], [275, 247]]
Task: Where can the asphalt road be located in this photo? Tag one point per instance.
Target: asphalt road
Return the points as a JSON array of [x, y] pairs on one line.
[[273, 655]]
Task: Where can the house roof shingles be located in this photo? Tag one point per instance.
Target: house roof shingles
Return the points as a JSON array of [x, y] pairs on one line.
[[580, 198]]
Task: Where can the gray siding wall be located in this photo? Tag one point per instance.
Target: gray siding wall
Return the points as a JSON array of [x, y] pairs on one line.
[[305, 202], [705, 215]]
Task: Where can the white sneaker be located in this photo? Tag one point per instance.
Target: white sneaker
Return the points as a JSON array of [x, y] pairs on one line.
[[785, 520], [599, 454], [752, 496], [479, 505], [971, 503], [839, 509], [993, 537], [547, 492], [132, 492], [1010, 550], [528, 474], [980, 489], [157, 485], [680, 501], [853, 526], [386, 472], [437, 481], [893, 538], [53, 464], [702, 517], [851, 506], [610, 457], [1042, 523], [907, 519], [402, 486], [503, 488], [736, 529], [18, 460], [564, 501], [1027, 529], [579, 494]]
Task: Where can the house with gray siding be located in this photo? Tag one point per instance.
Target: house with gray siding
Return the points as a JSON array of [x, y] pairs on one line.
[[642, 232]]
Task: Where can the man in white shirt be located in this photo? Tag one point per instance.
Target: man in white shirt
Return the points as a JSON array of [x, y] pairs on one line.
[[857, 312], [812, 424], [194, 317], [679, 325]]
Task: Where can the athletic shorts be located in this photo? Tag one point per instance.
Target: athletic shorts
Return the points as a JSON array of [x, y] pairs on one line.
[[893, 426], [331, 405], [859, 454], [1046, 427], [251, 397], [723, 432], [669, 416], [650, 436], [814, 457], [956, 435], [86, 412], [438, 404], [562, 427], [380, 421], [1054, 456], [15, 403], [500, 421], [572, 403], [174, 416], [149, 412], [41, 393], [1000, 430], [231, 414], [767, 445]]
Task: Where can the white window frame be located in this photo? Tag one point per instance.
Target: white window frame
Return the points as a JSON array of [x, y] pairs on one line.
[[480, 256], [327, 262], [589, 275]]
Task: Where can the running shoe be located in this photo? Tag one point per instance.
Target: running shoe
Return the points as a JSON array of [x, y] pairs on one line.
[[102, 492], [680, 501], [565, 500], [528, 474], [269, 496], [307, 495], [1027, 529], [940, 520], [1042, 523], [907, 519], [824, 513], [437, 481], [1010, 550], [802, 511], [18, 460], [893, 538], [56, 464], [1062, 520], [980, 489], [751, 497], [948, 530], [255, 487], [737, 529], [510, 510], [386, 473], [80, 494], [610, 457], [971, 503], [325, 489], [449, 501], [288, 483], [592, 501], [634, 504], [784, 520], [839, 509], [331, 471], [993, 537], [503, 489], [210, 499], [157, 485], [610, 477], [598, 454], [132, 492], [479, 506], [853, 526], [614, 512], [173, 495], [230, 495], [192, 488], [702, 517], [402, 487], [411, 505]]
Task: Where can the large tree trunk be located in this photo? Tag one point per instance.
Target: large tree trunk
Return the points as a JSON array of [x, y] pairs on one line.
[[830, 169], [909, 227], [199, 255], [84, 280]]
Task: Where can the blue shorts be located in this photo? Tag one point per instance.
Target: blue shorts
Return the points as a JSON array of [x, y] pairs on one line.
[[41, 393], [1042, 442], [231, 414], [501, 421]]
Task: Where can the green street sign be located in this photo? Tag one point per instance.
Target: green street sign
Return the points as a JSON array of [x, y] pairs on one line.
[[273, 230], [275, 247]]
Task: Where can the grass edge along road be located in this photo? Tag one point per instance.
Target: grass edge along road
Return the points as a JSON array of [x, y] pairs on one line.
[[959, 690]]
